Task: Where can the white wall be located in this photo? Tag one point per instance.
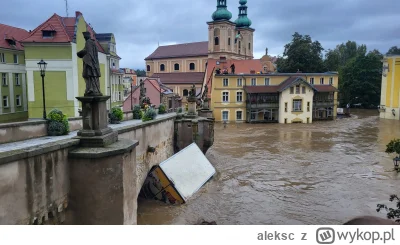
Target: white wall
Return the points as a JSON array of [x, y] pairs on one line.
[[286, 97]]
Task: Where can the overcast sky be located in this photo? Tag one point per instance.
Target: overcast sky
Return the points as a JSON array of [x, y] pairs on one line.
[[140, 25]]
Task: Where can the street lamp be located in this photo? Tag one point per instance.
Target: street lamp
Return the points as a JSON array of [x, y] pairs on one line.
[[396, 162], [42, 66], [131, 97]]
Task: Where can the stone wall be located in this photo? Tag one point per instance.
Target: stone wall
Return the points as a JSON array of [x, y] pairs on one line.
[[12, 132], [34, 189]]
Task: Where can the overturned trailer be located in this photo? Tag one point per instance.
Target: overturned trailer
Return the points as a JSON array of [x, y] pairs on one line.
[[178, 178]]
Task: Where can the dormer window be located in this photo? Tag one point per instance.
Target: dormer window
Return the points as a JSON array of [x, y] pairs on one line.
[[10, 40], [48, 33]]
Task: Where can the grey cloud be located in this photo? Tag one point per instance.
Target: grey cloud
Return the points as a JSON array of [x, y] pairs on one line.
[[140, 25]]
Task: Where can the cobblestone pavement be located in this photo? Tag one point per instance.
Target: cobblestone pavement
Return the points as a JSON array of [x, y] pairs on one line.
[[47, 139]]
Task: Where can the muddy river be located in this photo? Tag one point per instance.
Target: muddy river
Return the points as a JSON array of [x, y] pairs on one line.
[[273, 174]]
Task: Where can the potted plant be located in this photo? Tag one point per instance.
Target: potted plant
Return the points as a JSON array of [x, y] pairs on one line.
[[116, 115], [162, 109], [150, 114], [57, 123]]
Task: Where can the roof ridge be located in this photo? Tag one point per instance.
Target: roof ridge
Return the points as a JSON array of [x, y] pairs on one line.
[[14, 27], [182, 44], [64, 27]]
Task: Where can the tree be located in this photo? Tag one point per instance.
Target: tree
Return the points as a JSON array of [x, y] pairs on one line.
[[301, 54], [392, 213], [338, 57], [140, 73], [393, 50], [361, 78], [393, 147]]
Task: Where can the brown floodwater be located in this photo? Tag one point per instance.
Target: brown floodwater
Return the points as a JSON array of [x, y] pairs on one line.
[[275, 174]]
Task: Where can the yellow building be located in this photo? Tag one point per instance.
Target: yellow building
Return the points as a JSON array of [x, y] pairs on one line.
[[246, 96], [390, 93]]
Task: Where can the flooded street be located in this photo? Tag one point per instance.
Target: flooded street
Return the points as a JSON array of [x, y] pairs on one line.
[[275, 174]]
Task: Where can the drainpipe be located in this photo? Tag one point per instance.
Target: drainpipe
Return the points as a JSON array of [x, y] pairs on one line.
[[109, 76]]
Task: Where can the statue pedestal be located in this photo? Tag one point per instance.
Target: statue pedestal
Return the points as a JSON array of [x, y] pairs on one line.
[[95, 131], [191, 108]]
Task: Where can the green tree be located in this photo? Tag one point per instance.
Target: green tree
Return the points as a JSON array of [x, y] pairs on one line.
[[361, 78], [140, 73], [337, 58], [393, 50], [301, 54]]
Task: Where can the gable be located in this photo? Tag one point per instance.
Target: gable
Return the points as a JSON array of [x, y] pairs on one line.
[[294, 81]]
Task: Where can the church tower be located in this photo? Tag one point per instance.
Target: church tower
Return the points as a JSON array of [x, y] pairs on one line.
[[244, 33], [232, 40], [221, 33]]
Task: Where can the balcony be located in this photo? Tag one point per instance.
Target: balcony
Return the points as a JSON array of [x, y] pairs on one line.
[[267, 105], [324, 103]]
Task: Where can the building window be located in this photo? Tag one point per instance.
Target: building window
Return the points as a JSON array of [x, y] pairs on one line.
[[308, 106], [5, 101], [226, 82], [17, 81], [225, 115], [303, 89], [119, 79], [311, 80], [15, 58], [285, 120], [253, 81], [176, 67], [239, 115], [239, 82], [162, 67], [2, 58], [185, 92], [216, 40], [120, 96], [239, 96], [297, 105], [240, 45], [297, 89], [225, 97], [18, 100], [229, 41], [253, 115], [286, 105], [291, 90], [148, 67], [4, 79], [266, 81], [330, 112], [249, 47], [331, 81], [321, 80], [192, 67]]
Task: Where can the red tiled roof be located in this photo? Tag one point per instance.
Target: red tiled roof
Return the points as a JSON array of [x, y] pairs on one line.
[[325, 88], [180, 50], [261, 89], [180, 78], [57, 24], [14, 33], [70, 23]]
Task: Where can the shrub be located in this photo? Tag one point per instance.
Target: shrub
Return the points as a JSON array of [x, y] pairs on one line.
[[149, 114], [392, 213], [393, 146], [116, 115], [137, 112], [162, 109], [58, 123], [180, 110]]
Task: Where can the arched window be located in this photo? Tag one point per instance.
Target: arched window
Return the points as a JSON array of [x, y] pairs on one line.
[[185, 92], [216, 41], [162, 67], [176, 67], [148, 68], [229, 41], [249, 46], [192, 67]]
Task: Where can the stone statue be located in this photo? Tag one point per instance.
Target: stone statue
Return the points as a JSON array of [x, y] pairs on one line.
[[192, 92], [142, 91], [233, 68], [266, 51], [205, 93], [91, 67]]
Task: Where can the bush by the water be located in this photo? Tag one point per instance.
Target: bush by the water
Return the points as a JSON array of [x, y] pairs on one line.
[[149, 114], [58, 123], [116, 115], [162, 109], [137, 112]]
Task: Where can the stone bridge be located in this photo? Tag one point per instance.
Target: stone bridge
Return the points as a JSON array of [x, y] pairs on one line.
[[41, 182]]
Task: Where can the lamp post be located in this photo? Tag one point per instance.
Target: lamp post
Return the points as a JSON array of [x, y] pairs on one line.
[[42, 66], [131, 97], [396, 162]]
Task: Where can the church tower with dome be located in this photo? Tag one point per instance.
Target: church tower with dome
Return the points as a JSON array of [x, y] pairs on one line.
[[232, 40]]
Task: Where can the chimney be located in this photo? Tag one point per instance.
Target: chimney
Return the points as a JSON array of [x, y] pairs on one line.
[[77, 14]]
